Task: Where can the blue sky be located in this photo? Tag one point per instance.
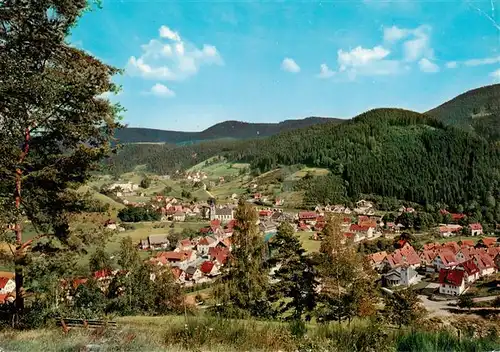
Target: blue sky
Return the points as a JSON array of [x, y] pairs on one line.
[[191, 64]]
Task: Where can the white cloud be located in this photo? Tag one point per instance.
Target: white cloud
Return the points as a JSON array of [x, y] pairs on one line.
[[162, 91], [496, 75], [360, 56], [394, 33], [419, 46], [452, 64], [325, 72], [167, 33], [367, 62], [428, 66], [171, 58], [485, 61], [290, 65]]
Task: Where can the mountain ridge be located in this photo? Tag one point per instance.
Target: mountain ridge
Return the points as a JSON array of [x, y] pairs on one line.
[[227, 129]]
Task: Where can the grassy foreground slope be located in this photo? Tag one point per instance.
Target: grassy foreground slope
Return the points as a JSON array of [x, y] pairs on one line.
[[173, 333]]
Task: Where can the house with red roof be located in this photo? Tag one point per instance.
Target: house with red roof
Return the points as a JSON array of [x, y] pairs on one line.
[[362, 231], [265, 214], [472, 272], [219, 254], [377, 259], [476, 229], [308, 217], [403, 256], [450, 230], [451, 246], [432, 246], [487, 242], [7, 285], [467, 243], [451, 282], [185, 245], [179, 274], [485, 264], [427, 259], [205, 244], [444, 260], [210, 268], [163, 258]]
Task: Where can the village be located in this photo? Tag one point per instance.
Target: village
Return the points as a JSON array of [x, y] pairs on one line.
[[443, 269]]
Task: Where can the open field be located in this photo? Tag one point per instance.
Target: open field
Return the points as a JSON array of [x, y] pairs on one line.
[[315, 171], [309, 244]]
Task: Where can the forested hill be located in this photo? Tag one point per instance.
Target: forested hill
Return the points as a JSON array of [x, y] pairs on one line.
[[393, 153], [388, 152], [476, 110], [227, 129]]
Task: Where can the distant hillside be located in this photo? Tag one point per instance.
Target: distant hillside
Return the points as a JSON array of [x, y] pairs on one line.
[[392, 153], [227, 129], [476, 110]]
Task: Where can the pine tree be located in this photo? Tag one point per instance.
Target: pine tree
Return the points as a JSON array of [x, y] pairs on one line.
[[55, 127], [294, 279], [404, 308], [242, 290]]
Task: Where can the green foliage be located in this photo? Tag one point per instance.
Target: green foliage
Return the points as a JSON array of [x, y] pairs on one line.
[[241, 292], [100, 260], [145, 182], [466, 301], [138, 214], [295, 281], [443, 341], [477, 110], [403, 308], [128, 255], [55, 126], [347, 280]]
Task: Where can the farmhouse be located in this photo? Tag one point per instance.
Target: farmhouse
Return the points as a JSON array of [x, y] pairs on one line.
[[155, 242], [476, 229]]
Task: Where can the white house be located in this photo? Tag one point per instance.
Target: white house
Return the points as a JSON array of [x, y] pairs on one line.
[[205, 244], [452, 282], [401, 276], [476, 229], [444, 260], [193, 273]]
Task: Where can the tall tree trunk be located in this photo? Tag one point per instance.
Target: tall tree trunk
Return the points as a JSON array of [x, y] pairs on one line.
[[20, 251]]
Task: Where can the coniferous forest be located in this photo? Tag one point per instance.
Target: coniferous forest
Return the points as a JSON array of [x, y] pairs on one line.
[[387, 152]]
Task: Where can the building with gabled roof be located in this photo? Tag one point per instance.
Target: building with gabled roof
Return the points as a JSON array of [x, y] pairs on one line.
[[445, 259], [472, 272], [476, 229], [377, 259], [452, 282], [485, 264]]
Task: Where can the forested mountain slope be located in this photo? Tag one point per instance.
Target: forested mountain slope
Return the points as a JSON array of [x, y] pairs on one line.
[[476, 110], [227, 129], [388, 152]]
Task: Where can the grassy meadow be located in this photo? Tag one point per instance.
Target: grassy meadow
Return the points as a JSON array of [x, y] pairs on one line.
[[204, 333]]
